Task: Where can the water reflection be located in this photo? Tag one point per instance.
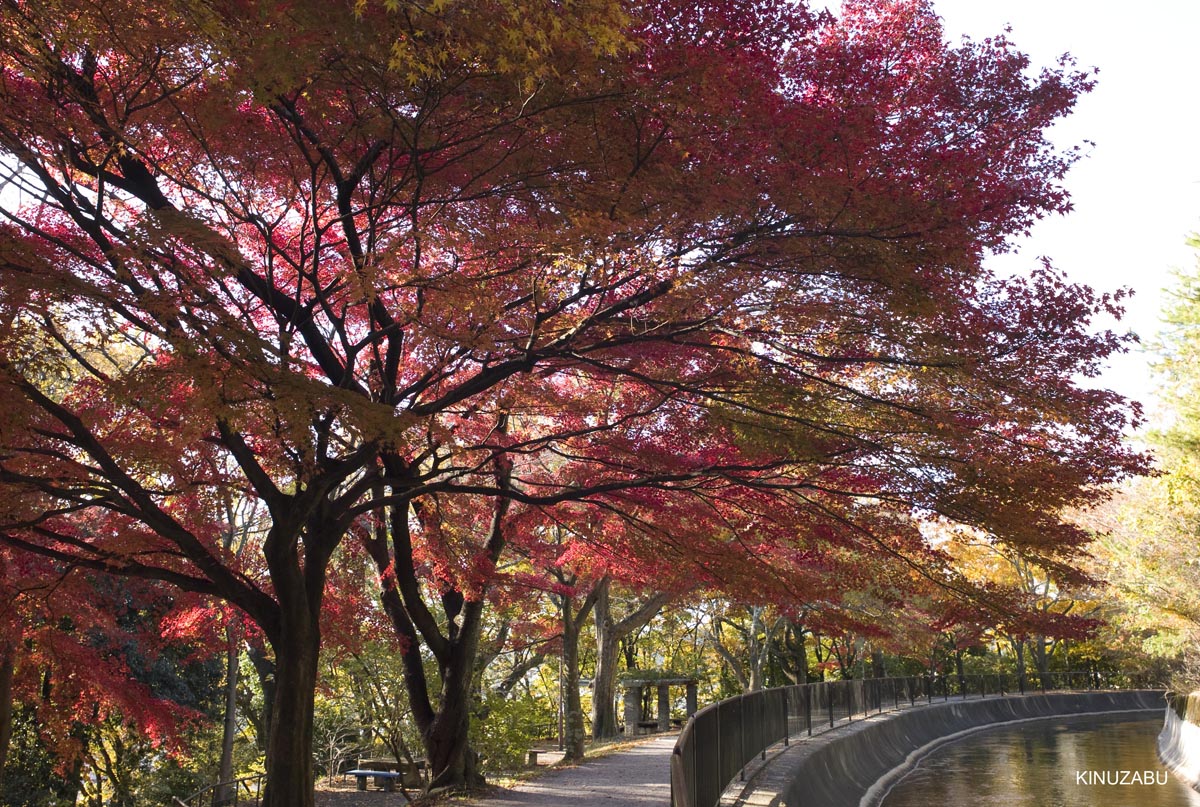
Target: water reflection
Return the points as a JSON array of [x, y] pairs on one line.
[[1061, 762]]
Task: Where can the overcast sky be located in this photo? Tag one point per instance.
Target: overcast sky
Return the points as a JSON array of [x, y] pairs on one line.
[[1137, 194]]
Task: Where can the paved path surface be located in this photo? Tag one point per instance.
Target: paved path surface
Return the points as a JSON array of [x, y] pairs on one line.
[[639, 777]]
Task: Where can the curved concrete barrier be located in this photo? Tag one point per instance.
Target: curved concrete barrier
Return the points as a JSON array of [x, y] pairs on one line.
[[1179, 741], [849, 765]]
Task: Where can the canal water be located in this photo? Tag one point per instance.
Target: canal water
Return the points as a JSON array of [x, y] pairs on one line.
[[1087, 761]]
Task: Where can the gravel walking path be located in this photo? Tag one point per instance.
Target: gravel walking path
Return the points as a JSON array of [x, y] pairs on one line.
[[639, 777]]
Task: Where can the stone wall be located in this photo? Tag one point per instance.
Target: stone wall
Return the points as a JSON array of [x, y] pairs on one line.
[[857, 763], [1179, 741]]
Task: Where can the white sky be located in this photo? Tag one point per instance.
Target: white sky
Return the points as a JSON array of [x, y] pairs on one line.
[[1137, 195]]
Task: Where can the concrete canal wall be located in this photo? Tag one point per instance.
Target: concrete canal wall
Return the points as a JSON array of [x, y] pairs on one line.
[[1179, 741], [856, 764]]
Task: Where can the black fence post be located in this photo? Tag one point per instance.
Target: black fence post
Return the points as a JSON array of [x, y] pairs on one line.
[[787, 717], [742, 741], [808, 708]]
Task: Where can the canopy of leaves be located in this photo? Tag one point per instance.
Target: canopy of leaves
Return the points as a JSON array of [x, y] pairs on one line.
[[491, 268]]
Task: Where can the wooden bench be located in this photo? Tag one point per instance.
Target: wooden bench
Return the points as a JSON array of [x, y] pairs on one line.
[[383, 779]]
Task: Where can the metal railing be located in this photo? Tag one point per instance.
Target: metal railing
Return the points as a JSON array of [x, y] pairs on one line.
[[720, 740], [227, 794]]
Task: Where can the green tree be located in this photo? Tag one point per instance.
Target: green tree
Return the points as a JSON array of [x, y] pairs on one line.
[[1148, 545]]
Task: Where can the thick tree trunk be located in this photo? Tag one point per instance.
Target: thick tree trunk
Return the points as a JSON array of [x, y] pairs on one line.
[[295, 637], [609, 634], [7, 667], [452, 763], [289, 762], [604, 712], [450, 757]]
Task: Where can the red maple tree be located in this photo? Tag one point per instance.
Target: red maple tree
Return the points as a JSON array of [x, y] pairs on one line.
[[425, 267]]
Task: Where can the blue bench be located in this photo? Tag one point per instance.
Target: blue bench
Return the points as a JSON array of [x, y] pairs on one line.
[[384, 779]]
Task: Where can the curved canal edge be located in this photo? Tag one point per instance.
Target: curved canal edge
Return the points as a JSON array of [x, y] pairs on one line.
[[840, 766], [1179, 741]]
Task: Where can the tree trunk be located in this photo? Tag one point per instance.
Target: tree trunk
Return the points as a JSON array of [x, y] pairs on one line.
[[572, 626], [732, 662], [755, 682], [573, 732], [264, 670], [7, 667], [792, 652], [289, 762], [877, 668], [224, 795], [295, 636], [453, 641], [444, 727], [1039, 655], [451, 760], [1042, 660], [604, 712], [608, 639]]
